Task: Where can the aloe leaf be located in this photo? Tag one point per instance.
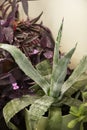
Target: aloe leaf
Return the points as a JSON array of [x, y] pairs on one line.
[[44, 68], [16, 105], [60, 72], [56, 56], [56, 49], [57, 45], [78, 85], [77, 80], [59, 66], [26, 66], [84, 95], [27, 119], [30, 124], [39, 107], [81, 126], [71, 101], [12, 126]]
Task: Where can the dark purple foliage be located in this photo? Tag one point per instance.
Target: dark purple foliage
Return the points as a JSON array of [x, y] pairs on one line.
[[6, 22], [25, 6], [35, 40]]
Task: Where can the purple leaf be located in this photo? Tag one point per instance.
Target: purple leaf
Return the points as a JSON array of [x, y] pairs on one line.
[[25, 6], [8, 32], [36, 19], [11, 15], [45, 41], [5, 11], [1, 35], [48, 54]]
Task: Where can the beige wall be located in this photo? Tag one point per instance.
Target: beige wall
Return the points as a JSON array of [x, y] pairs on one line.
[[75, 22]]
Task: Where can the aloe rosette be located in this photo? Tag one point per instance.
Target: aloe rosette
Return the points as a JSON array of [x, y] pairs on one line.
[[56, 91]]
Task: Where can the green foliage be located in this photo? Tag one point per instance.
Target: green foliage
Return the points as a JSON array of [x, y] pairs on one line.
[[80, 115], [54, 119], [51, 80], [16, 105], [40, 106], [37, 109], [45, 69], [59, 67], [77, 80]]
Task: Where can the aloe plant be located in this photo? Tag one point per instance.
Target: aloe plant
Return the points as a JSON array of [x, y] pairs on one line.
[[52, 82]]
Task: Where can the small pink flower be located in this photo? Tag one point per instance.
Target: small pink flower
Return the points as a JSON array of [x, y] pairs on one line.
[[2, 22], [35, 51], [15, 86]]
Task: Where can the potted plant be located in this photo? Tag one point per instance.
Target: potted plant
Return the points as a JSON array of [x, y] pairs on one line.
[[52, 92]]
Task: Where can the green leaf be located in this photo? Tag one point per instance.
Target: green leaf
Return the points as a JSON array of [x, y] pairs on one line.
[[39, 107], [56, 57], [59, 66], [30, 124], [72, 123], [26, 66], [74, 111], [54, 121], [57, 45], [44, 68], [81, 126], [77, 80], [60, 72], [78, 85], [71, 101], [27, 119], [12, 126], [84, 94], [16, 105], [56, 50], [66, 120]]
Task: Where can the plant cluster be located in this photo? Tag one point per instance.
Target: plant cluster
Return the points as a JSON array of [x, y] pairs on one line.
[[34, 73], [35, 40], [27, 35], [56, 91]]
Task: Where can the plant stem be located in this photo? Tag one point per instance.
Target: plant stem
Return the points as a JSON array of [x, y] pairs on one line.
[[54, 119]]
